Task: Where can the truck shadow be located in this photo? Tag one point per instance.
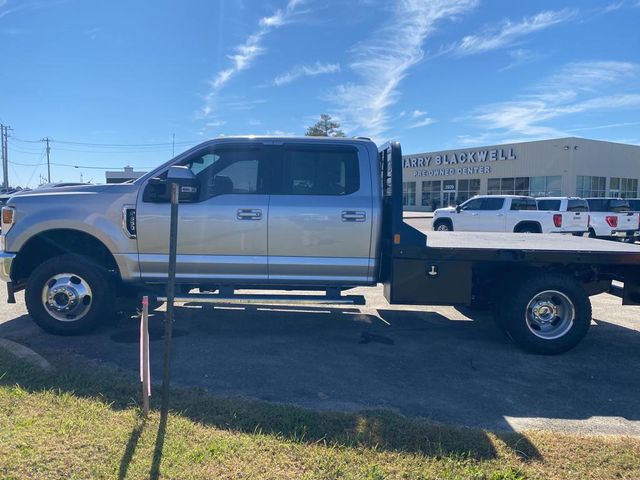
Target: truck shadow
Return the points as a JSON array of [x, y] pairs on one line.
[[399, 375]]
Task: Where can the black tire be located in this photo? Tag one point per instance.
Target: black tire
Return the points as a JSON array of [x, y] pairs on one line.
[[520, 325], [443, 226], [592, 233], [89, 312], [527, 229]]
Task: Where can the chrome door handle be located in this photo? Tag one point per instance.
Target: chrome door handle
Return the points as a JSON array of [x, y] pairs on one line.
[[474, 214], [353, 216], [249, 214], [499, 214]]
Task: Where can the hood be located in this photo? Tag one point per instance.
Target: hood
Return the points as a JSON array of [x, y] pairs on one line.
[[73, 192], [444, 209]]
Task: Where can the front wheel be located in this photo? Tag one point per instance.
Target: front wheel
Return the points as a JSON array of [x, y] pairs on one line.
[[548, 315], [442, 226], [69, 295]]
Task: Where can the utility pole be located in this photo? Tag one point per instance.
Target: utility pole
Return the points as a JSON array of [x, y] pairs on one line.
[[47, 140], [4, 133], [173, 145]]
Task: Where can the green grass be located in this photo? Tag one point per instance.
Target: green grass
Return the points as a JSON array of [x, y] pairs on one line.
[[83, 421]]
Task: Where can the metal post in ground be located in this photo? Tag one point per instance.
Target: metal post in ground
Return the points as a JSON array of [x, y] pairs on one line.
[[144, 356], [171, 293]]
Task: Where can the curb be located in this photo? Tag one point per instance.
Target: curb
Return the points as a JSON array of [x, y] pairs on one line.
[[25, 353]]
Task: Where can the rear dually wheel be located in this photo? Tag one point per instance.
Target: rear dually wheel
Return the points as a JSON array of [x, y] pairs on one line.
[[547, 314]]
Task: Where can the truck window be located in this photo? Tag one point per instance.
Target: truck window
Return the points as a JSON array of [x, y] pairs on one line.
[[319, 171], [575, 205], [492, 203], [473, 204], [619, 206], [220, 171], [634, 205], [524, 204], [596, 204], [549, 205]]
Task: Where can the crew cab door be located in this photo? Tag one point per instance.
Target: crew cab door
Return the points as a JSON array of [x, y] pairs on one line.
[[491, 216], [320, 215], [484, 214], [222, 228]]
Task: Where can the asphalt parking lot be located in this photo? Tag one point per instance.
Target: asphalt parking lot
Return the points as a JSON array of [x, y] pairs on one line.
[[438, 363]]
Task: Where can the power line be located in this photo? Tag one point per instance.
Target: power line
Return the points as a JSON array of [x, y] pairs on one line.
[[116, 145], [47, 140]]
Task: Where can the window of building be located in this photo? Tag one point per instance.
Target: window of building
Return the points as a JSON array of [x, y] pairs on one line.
[[493, 186], [468, 189], [431, 194], [408, 193], [545, 186], [587, 186], [311, 171], [623, 187], [508, 186]]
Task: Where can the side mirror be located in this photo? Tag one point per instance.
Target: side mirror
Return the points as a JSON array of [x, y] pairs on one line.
[[458, 208], [188, 183]]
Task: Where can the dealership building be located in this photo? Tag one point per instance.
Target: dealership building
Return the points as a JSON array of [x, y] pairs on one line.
[[559, 167]]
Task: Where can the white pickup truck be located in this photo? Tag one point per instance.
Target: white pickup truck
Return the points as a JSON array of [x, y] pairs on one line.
[[612, 218], [507, 213]]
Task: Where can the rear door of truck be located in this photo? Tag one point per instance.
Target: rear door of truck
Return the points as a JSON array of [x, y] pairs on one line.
[[320, 214]]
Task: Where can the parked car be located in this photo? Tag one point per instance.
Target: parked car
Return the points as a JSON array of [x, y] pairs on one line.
[[612, 218], [576, 205], [506, 213]]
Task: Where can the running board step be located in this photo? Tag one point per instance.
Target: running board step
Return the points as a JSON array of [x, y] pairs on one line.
[[269, 299]]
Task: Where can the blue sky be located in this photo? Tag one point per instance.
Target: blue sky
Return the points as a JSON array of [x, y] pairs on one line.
[[434, 74]]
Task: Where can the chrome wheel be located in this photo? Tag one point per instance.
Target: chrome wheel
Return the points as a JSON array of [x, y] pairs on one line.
[[67, 297], [550, 314], [442, 227]]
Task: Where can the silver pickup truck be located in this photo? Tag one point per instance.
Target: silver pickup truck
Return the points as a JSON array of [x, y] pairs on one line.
[[313, 214]]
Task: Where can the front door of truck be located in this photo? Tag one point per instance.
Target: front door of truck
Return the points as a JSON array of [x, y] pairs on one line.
[[491, 215], [222, 228], [320, 215]]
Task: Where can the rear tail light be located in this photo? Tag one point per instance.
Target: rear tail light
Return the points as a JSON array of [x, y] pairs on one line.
[[557, 220], [589, 220], [612, 220]]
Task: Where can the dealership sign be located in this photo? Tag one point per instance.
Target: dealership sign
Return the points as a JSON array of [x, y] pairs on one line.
[[441, 165]]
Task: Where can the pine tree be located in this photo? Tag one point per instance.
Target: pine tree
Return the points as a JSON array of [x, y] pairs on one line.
[[325, 127]]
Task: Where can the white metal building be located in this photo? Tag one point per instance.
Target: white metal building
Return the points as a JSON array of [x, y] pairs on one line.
[[563, 166], [124, 175]]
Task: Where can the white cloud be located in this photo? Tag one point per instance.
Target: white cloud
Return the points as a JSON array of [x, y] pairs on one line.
[[305, 71], [521, 56], [245, 53], [509, 32], [418, 114], [422, 123], [576, 88], [382, 62]]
